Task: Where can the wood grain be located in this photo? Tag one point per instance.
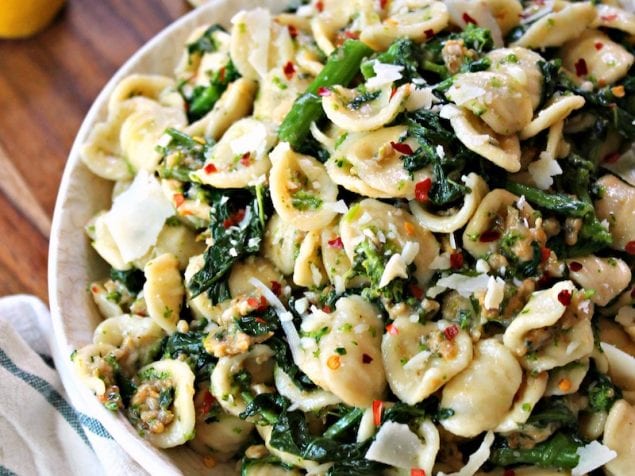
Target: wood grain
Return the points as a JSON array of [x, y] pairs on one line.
[[47, 84]]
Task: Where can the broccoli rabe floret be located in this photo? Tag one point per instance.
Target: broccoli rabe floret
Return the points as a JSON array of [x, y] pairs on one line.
[[602, 394]]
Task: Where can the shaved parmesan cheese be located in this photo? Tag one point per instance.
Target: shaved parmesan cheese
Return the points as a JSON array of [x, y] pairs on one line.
[[477, 459], [434, 291], [337, 207], [253, 140], [482, 266], [257, 25], [495, 293], [624, 167], [301, 305], [420, 98], [293, 338], [384, 74], [395, 268], [543, 169], [465, 285], [409, 251], [592, 456], [137, 216], [395, 445]]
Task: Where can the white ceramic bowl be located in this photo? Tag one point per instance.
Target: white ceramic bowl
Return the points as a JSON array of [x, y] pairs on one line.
[[73, 264]]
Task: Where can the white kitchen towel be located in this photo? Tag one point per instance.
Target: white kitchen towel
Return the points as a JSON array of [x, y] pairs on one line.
[[42, 430]]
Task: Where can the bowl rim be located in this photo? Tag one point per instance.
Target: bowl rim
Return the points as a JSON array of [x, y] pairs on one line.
[[151, 459]]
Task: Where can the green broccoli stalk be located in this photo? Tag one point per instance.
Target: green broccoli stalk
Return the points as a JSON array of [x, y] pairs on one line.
[[559, 451]]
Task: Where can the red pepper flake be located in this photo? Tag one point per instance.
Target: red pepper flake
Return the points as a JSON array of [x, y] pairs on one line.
[[598, 45], [417, 472], [422, 189], [336, 243], [326, 308], [611, 17], [401, 148], [392, 330], [633, 292], [544, 254], [630, 248], [94, 289], [234, 219], [319, 6], [366, 359], [221, 74], [289, 70], [258, 304], [451, 332], [509, 472], [246, 159], [544, 279], [178, 199], [416, 291], [206, 403], [276, 288], [429, 33], [564, 297], [383, 4], [611, 158], [489, 236], [293, 31], [575, 266], [580, 67], [353, 35], [260, 320], [323, 91], [393, 91], [468, 19], [252, 302], [378, 408], [210, 169], [456, 260]]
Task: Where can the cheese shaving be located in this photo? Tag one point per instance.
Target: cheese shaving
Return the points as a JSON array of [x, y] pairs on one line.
[[495, 293], [384, 74], [395, 268], [592, 456], [465, 285], [395, 445]]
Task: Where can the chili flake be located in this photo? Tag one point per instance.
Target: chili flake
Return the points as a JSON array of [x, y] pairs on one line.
[[451, 332], [422, 189], [611, 17], [319, 6], [336, 243], [630, 247], [509, 472], [206, 404], [383, 4], [456, 260], [544, 254], [178, 199], [575, 266], [618, 91], [334, 362], [581, 68], [234, 219], [468, 19], [401, 148], [564, 385], [598, 45], [611, 158], [366, 359], [326, 308], [409, 228], [378, 408], [210, 169], [392, 330], [564, 297], [489, 236], [417, 472], [416, 291], [293, 31], [289, 70], [276, 288], [429, 33], [353, 35], [323, 91], [246, 159]]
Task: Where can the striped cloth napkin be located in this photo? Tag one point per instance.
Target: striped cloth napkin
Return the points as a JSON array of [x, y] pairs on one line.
[[42, 430]]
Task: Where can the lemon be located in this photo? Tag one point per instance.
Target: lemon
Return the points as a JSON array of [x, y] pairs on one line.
[[20, 18]]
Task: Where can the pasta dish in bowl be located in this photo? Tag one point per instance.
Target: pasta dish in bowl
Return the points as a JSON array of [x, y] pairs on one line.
[[366, 237]]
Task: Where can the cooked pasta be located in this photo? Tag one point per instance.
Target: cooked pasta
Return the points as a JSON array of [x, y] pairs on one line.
[[376, 237]]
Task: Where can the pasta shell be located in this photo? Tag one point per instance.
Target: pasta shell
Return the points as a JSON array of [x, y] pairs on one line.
[[163, 291], [522, 65], [503, 151], [610, 16], [606, 277], [252, 267], [619, 435], [558, 108], [530, 392], [616, 205]]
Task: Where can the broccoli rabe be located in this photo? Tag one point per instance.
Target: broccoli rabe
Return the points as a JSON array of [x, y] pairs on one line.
[[403, 52], [602, 393], [559, 451]]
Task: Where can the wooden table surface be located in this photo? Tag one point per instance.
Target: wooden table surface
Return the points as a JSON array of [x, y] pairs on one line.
[[47, 84]]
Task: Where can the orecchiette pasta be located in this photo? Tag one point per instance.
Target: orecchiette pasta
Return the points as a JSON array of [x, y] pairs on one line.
[[282, 243], [419, 359], [522, 65], [163, 291], [530, 392], [556, 110], [496, 374], [615, 206], [604, 277], [619, 435], [301, 189]]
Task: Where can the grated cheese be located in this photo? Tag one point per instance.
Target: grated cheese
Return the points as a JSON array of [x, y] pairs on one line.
[[465, 285], [420, 98], [395, 268], [543, 170]]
